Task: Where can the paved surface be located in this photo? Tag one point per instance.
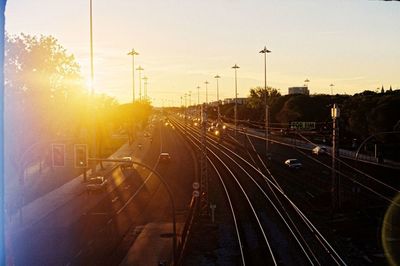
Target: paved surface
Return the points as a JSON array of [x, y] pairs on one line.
[[152, 246], [72, 227], [43, 206]]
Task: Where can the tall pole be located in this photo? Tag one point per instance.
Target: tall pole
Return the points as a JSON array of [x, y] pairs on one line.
[[217, 77], [133, 53], [94, 151], [198, 95], [335, 112], [306, 81], [185, 100], [265, 51], [331, 88], [91, 49], [198, 102], [236, 68], [140, 69], [206, 91], [145, 87]]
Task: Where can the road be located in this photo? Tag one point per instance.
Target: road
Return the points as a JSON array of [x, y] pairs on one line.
[[102, 235]]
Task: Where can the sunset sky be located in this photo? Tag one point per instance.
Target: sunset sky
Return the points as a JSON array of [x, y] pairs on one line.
[[353, 44]]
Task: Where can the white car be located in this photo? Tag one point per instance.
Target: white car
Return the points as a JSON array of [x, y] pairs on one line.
[[128, 162], [319, 150], [165, 157], [293, 163], [96, 183]]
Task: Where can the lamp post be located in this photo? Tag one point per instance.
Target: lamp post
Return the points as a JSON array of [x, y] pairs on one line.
[[140, 69], [133, 53], [91, 49], [217, 77], [198, 95], [331, 88], [336, 201], [306, 81], [236, 68], [198, 102], [206, 82], [190, 98], [94, 150], [265, 51], [185, 97], [145, 87]]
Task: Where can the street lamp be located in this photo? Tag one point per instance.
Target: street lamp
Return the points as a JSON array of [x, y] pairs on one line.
[[140, 69], [91, 49], [94, 138], [331, 88], [145, 87], [218, 114], [185, 97], [133, 53], [198, 95], [206, 91], [265, 51], [236, 68], [190, 98], [335, 189]]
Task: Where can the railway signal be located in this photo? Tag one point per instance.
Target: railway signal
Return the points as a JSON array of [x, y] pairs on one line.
[[80, 155]]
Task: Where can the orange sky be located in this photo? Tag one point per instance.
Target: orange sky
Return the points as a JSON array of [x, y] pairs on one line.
[[352, 44]]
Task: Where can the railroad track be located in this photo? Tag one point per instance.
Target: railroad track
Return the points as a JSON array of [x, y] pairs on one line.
[[284, 232]]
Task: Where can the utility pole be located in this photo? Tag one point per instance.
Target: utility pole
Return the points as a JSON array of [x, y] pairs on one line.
[[217, 77], [236, 68], [265, 51], [336, 201], [203, 163], [206, 82], [145, 87], [198, 103], [133, 53], [91, 49], [95, 118], [140, 69], [198, 95]]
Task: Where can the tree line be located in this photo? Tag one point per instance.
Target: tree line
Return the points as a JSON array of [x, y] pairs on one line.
[[362, 114]]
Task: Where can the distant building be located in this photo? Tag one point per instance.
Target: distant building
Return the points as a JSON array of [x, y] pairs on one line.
[[299, 90], [232, 100]]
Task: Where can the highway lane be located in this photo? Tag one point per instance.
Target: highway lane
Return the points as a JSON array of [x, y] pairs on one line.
[[92, 238]]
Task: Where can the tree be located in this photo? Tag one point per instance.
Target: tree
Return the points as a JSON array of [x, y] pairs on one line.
[[257, 97], [40, 77]]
